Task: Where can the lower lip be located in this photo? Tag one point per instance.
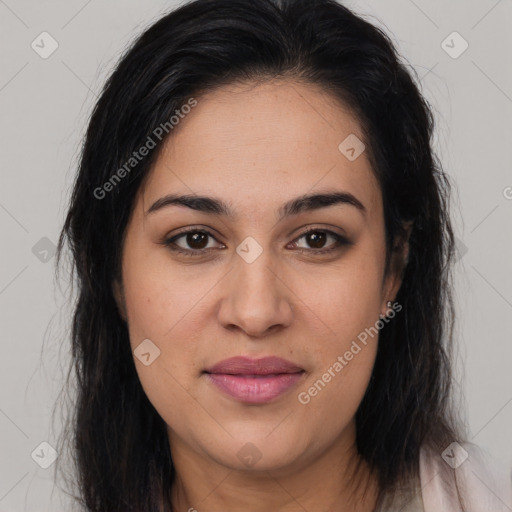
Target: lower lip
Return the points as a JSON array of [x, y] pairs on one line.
[[255, 390]]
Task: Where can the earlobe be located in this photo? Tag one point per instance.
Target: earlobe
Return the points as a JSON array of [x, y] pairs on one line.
[[405, 243], [118, 292], [399, 262], [406, 248]]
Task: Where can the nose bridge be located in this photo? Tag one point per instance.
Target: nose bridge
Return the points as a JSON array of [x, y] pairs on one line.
[[254, 269], [257, 298], [254, 272]]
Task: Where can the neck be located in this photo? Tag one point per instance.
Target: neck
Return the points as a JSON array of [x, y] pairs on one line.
[[336, 480]]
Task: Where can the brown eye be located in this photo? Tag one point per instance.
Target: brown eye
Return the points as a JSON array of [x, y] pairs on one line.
[[197, 240], [316, 240], [194, 240]]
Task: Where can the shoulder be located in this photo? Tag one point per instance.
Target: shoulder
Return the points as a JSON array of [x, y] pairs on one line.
[[463, 471]]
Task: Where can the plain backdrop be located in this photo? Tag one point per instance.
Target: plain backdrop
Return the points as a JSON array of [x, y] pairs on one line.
[[45, 104]]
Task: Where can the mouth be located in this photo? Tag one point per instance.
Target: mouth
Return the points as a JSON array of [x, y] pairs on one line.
[[254, 381]]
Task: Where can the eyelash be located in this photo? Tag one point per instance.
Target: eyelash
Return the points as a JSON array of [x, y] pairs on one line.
[[170, 242]]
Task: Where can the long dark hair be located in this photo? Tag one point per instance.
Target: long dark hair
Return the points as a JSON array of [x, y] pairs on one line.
[[115, 437]]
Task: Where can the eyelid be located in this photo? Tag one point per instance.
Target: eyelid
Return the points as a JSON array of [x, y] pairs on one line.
[[168, 241], [341, 241]]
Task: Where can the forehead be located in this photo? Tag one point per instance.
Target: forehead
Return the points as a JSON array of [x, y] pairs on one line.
[[260, 144]]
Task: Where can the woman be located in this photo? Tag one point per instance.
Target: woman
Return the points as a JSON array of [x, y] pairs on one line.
[[262, 246]]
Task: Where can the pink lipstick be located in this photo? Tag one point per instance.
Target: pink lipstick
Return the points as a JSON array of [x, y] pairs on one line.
[[254, 381]]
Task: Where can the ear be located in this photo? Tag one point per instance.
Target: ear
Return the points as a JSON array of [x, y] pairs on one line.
[[397, 266], [118, 292]]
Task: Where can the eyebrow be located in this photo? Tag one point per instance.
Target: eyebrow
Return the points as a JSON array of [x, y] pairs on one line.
[[215, 206]]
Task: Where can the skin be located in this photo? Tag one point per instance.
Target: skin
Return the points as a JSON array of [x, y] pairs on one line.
[[256, 146]]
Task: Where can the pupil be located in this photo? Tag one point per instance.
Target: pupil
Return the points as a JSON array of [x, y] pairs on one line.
[[192, 239], [318, 239]]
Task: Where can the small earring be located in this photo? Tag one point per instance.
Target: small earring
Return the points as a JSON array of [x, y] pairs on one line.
[[389, 305]]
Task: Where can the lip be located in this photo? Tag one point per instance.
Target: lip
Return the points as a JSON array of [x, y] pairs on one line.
[[254, 381], [247, 366]]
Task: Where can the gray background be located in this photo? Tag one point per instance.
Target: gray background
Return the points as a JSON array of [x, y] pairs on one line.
[[45, 104]]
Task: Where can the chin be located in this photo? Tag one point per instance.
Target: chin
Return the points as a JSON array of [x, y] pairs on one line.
[[259, 451]]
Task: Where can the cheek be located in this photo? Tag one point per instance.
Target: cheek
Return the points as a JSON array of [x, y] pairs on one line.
[[154, 314], [166, 305], [345, 297], [173, 325], [163, 299], [348, 303], [335, 392]]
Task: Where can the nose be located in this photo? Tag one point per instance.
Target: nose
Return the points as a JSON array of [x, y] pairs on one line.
[[258, 300]]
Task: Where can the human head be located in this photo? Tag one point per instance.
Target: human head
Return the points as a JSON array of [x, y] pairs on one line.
[[202, 49]]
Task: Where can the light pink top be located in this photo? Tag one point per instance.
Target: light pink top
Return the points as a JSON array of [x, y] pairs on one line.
[[484, 486]]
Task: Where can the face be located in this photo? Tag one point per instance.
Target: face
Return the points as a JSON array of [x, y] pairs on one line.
[[252, 282]]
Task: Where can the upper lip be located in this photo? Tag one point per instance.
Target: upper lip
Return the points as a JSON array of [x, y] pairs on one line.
[[247, 366]]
